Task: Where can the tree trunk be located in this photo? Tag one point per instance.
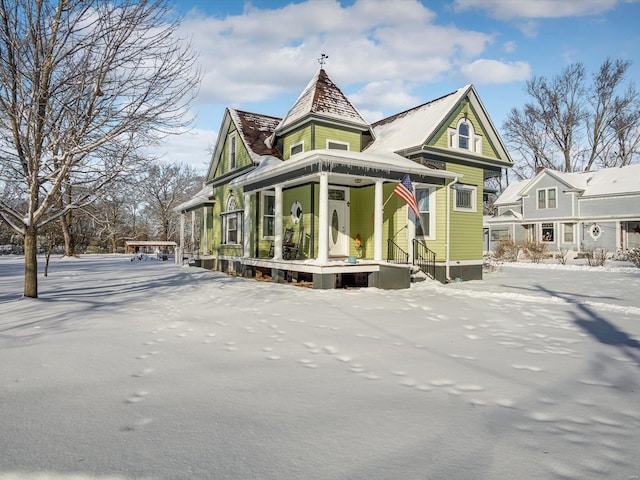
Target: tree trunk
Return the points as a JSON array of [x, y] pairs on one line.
[[31, 262], [69, 241]]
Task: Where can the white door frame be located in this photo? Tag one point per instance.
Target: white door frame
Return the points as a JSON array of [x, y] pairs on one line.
[[339, 248]]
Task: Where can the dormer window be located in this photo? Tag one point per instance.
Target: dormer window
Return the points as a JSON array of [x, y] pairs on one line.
[[463, 136]]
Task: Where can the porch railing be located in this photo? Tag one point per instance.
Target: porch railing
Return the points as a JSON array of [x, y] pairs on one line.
[[424, 258], [395, 254]]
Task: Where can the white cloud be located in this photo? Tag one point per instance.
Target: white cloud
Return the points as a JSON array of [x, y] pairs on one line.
[[486, 71], [384, 95], [263, 53], [192, 147], [509, 47], [508, 9]]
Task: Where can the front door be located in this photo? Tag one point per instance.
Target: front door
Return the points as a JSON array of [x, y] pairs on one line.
[[338, 223]]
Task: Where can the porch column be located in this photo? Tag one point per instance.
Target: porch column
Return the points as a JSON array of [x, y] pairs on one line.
[[193, 231], [378, 213], [323, 219], [246, 228], [179, 250], [277, 234], [205, 240]]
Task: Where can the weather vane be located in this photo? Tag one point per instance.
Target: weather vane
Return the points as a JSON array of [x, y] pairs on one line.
[[323, 59]]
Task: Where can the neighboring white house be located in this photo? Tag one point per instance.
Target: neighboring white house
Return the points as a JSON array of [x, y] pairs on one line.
[[577, 211]]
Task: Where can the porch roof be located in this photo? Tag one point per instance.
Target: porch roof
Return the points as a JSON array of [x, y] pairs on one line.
[[203, 198], [361, 165]]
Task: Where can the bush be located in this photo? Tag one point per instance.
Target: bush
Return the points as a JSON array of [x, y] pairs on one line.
[[596, 257], [563, 256], [506, 251], [534, 251], [633, 255]]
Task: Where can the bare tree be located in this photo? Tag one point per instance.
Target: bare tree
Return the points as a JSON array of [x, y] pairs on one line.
[[164, 187], [572, 125], [84, 84]]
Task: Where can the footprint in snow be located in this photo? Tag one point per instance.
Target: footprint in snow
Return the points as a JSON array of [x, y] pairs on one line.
[[137, 397]]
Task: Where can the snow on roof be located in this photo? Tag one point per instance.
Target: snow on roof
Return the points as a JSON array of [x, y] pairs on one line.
[[412, 127], [511, 194], [323, 97], [389, 162], [255, 129], [612, 181]]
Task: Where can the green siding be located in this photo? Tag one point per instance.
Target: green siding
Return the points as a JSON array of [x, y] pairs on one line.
[[466, 227], [302, 134], [242, 156], [441, 139], [324, 133]]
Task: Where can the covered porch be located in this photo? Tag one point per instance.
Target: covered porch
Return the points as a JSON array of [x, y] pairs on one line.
[[346, 236]]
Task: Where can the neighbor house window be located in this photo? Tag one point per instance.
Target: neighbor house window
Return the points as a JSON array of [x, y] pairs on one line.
[[548, 232], [424, 227], [465, 198], [498, 234], [335, 145], [268, 215], [231, 223], [567, 232], [232, 151], [296, 148], [547, 198]]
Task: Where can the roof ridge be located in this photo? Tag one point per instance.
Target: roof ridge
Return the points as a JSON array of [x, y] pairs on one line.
[[409, 110]]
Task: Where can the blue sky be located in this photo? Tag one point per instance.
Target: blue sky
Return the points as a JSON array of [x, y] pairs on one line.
[[389, 55]]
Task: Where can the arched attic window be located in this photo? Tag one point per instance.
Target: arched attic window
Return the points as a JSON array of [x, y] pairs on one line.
[[463, 137]]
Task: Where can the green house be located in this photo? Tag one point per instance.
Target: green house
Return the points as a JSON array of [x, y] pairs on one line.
[[309, 198]]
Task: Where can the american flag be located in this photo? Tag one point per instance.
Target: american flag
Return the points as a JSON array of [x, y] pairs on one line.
[[405, 191]]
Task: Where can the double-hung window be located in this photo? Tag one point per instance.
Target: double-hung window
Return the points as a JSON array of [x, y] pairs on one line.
[[424, 227], [547, 198], [232, 223], [268, 215]]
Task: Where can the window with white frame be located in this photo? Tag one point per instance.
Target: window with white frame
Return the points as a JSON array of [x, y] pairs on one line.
[[548, 232], [547, 198], [296, 148], [232, 150], [567, 232], [268, 215], [232, 223], [465, 198], [464, 137], [424, 227], [336, 145], [500, 233]]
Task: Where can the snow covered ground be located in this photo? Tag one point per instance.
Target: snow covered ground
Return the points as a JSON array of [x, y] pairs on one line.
[[149, 370]]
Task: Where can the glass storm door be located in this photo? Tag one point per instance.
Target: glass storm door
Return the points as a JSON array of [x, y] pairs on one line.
[[338, 223]]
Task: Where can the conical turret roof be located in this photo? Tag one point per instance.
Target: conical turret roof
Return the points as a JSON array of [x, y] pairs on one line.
[[322, 97]]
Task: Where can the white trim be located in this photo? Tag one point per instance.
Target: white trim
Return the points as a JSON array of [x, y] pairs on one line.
[[291, 154], [232, 162], [263, 204], [546, 198], [432, 212], [337, 142], [474, 198]]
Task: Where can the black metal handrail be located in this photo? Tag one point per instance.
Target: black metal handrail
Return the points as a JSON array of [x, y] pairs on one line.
[[395, 254], [424, 258]]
